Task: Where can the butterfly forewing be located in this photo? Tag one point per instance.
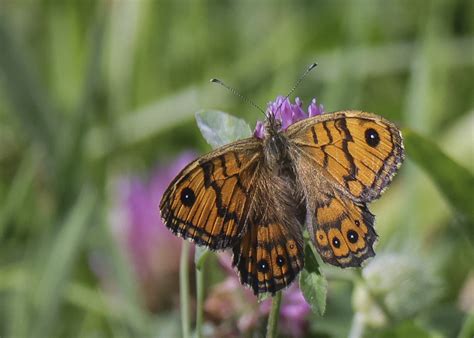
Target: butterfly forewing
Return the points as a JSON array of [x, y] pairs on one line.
[[359, 152], [209, 201]]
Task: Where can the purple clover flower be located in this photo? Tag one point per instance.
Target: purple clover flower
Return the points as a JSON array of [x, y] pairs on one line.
[[287, 113], [293, 314], [150, 247], [229, 305]]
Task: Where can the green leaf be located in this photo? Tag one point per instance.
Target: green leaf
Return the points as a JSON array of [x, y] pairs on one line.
[[454, 181], [219, 128], [311, 263], [312, 283], [314, 287]]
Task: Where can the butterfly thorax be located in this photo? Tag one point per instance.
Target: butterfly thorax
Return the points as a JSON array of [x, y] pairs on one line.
[[275, 144], [275, 150]]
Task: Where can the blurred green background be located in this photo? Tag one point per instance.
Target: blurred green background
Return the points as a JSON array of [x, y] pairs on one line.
[[92, 92]]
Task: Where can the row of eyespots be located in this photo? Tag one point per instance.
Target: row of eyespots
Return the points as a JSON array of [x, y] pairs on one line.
[[264, 266], [334, 238]]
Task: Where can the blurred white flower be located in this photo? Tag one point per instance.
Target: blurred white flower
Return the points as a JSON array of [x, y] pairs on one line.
[[394, 286]]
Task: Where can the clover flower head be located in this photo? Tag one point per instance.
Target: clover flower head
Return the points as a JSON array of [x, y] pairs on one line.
[[151, 249], [395, 280], [230, 305], [287, 113]]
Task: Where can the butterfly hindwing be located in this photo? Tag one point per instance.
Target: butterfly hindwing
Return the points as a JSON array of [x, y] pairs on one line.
[[268, 257], [359, 152], [344, 232], [209, 201]]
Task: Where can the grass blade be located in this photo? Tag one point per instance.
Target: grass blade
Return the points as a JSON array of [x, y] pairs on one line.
[[454, 181], [28, 100], [65, 248]]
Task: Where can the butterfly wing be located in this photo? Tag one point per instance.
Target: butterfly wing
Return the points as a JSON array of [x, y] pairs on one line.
[[344, 235], [360, 152], [355, 156], [268, 257], [209, 200]]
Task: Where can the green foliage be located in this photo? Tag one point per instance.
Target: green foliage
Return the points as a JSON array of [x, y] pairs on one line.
[[455, 182], [62, 254], [312, 283], [411, 329], [468, 327]]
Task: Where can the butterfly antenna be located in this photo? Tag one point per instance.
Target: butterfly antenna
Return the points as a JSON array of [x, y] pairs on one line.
[[236, 93], [310, 68]]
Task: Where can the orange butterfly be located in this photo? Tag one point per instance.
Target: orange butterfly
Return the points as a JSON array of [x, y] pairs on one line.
[[255, 195]]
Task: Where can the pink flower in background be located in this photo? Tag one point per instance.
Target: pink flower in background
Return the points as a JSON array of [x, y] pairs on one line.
[[287, 113], [293, 313], [152, 249], [235, 311]]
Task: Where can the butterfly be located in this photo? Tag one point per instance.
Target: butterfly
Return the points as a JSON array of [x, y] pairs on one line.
[[255, 195]]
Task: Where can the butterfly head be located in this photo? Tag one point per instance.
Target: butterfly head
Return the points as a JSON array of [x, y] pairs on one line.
[[273, 125]]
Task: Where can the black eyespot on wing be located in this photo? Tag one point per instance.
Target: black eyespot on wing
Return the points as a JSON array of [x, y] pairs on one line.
[[263, 266], [280, 260], [336, 242], [372, 137], [188, 197], [352, 236]]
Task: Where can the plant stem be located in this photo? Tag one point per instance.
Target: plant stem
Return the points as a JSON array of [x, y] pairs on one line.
[[199, 300], [357, 327], [273, 318], [184, 288], [377, 299]]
